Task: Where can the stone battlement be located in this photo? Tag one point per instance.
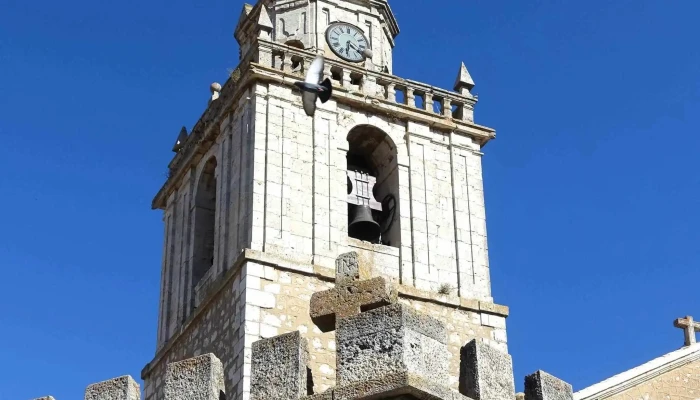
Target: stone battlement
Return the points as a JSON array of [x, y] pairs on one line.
[[401, 363], [385, 349]]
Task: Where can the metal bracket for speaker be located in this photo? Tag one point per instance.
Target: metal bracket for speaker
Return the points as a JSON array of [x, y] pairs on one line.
[[361, 192]]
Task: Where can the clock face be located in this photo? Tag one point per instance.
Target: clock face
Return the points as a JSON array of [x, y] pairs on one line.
[[347, 41]]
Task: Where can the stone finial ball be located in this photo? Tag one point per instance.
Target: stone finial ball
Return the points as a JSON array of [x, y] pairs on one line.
[[367, 53], [215, 87]]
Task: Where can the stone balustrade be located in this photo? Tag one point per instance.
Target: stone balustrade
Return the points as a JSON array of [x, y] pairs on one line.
[[363, 81]]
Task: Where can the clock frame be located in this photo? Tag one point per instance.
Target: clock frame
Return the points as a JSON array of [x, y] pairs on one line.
[[338, 30]]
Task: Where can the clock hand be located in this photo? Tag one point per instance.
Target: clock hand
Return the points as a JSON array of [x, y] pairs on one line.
[[354, 47], [366, 53]]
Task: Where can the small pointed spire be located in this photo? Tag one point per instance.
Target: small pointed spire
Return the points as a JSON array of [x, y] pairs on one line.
[[181, 138], [464, 83], [264, 20]]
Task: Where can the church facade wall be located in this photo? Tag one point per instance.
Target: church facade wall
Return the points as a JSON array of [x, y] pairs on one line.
[[681, 383]]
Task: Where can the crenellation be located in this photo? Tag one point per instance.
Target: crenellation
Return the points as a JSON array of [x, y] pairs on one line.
[[122, 388], [486, 373], [279, 368], [543, 386], [199, 378]]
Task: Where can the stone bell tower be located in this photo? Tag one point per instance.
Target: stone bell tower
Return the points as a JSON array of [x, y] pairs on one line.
[[261, 200]]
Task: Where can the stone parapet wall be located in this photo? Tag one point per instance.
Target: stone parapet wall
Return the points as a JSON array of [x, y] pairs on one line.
[[264, 296]]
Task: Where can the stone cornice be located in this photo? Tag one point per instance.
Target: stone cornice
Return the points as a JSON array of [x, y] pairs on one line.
[[204, 133], [638, 375], [388, 14], [321, 273]]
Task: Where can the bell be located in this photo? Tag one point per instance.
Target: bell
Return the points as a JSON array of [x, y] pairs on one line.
[[362, 226]]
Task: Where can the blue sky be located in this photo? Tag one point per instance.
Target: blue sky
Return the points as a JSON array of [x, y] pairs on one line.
[[591, 185]]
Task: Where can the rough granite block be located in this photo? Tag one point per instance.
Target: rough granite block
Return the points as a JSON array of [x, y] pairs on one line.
[[485, 373], [391, 340], [395, 386], [199, 378], [349, 300], [327, 395], [543, 386], [122, 388], [391, 317], [278, 370]]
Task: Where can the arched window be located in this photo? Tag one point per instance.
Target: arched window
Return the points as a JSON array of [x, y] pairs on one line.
[[373, 187], [204, 223]]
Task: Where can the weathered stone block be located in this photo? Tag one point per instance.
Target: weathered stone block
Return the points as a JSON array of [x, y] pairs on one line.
[[350, 299], [327, 395], [390, 340], [543, 386], [279, 368], [403, 385], [122, 388], [199, 378], [347, 268], [486, 373]]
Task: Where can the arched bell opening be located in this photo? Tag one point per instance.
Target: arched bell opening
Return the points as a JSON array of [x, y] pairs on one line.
[[373, 187], [204, 223]]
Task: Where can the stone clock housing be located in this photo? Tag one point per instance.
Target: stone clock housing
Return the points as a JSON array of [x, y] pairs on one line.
[[303, 24]]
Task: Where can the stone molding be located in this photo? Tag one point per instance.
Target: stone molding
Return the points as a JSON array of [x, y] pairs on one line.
[[322, 273], [640, 374]]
